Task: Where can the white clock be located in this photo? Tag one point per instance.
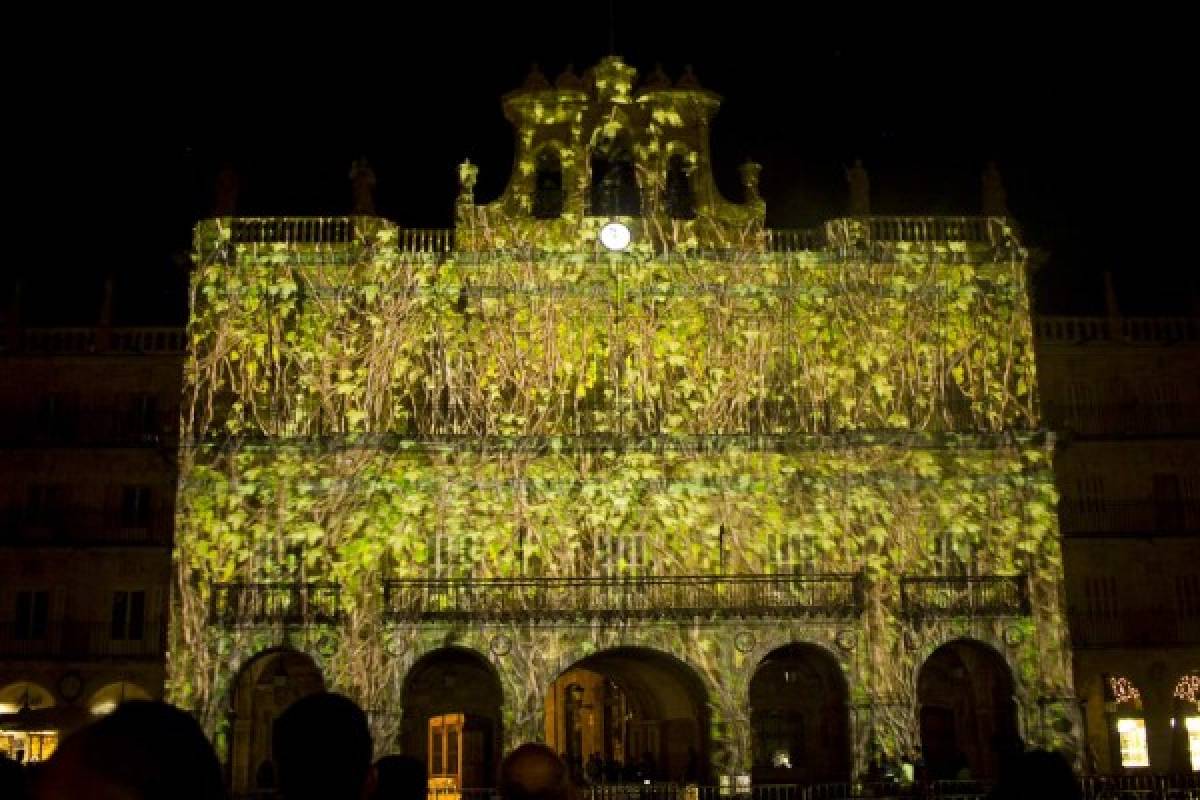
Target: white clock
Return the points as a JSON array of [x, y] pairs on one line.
[[615, 236]]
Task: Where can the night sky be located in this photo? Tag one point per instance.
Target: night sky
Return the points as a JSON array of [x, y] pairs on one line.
[[1080, 115]]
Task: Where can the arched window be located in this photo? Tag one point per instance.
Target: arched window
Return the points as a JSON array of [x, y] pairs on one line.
[[614, 190], [680, 201], [548, 185], [1128, 722], [1185, 724]]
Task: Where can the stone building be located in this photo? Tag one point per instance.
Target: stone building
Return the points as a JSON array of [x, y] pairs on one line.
[[613, 466], [1125, 395], [88, 440]]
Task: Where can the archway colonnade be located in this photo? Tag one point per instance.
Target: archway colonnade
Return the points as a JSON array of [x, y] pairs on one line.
[[633, 712]]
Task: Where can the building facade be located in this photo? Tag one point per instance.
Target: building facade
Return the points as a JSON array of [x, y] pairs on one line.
[[87, 494], [612, 466], [1125, 394]]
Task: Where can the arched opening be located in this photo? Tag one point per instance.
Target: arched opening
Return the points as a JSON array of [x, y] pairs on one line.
[[547, 185], [452, 719], [629, 715], [679, 198], [1126, 723], [28, 732], [263, 690], [799, 717], [967, 712], [105, 699], [1185, 724], [614, 190]]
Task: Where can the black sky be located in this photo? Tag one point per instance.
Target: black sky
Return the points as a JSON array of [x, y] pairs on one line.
[[1082, 116]]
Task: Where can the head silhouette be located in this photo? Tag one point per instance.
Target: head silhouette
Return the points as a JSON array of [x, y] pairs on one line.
[[141, 751], [533, 772], [400, 778], [322, 749]]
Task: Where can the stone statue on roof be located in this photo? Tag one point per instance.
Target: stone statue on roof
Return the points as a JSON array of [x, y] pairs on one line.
[[860, 189], [995, 199], [362, 188]]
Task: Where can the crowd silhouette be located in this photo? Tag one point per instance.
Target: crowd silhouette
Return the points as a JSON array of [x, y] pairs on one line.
[[322, 750]]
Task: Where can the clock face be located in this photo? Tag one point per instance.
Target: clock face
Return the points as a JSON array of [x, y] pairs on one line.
[[615, 236]]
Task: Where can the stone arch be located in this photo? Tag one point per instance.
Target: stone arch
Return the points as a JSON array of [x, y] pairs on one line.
[[260, 691], [549, 181], [612, 169], [678, 176], [799, 716], [967, 709], [452, 704], [642, 712], [29, 729], [105, 699]]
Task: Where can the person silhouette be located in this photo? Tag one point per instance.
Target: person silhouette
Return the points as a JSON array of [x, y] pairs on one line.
[[322, 750]]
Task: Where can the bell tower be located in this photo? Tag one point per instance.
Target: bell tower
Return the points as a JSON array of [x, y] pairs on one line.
[[603, 146]]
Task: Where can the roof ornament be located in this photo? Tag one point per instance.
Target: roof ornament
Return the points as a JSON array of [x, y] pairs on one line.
[[535, 81], [688, 79], [568, 80]]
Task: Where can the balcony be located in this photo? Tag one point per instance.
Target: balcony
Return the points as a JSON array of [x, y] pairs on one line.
[[601, 598], [96, 427], [76, 526], [1155, 627], [1122, 419], [1145, 516], [985, 596], [1136, 330], [97, 340], [78, 641], [249, 605]]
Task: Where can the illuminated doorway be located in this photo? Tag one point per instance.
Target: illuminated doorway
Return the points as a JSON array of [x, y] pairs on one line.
[[26, 736], [967, 710], [799, 718], [451, 720], [1185, 724], [629, 715]]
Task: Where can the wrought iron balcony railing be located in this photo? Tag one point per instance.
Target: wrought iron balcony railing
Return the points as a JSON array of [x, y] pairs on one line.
[[839, 595], [1163, 517], [982, 596], [74, 525], [80, 641], [245, 605]]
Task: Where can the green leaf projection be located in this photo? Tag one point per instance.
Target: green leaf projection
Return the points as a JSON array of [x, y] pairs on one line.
[[352, 406]]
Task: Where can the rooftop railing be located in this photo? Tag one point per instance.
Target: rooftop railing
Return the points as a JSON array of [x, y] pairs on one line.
[[625, 597]]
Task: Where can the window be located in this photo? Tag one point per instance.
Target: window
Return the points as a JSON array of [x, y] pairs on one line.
[[128, 615], [621, 555], [792, 553], [548, 185], [33, 613], [1168, 502], [454, 555], [952, 557], [141, 416], [44, 504], [55, 415], [680, 201], [135, 506], [1131, 734]]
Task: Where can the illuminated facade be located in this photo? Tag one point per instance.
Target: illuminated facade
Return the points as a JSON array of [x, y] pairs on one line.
[[725, 501]]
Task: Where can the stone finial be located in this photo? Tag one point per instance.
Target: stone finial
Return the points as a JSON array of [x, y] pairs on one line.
[[568, 80], [688, 79], [535, 81], [750, 172], [860, 189], [362, 188], [467, 174], [995, 199], [225, 192], [657, 79]]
